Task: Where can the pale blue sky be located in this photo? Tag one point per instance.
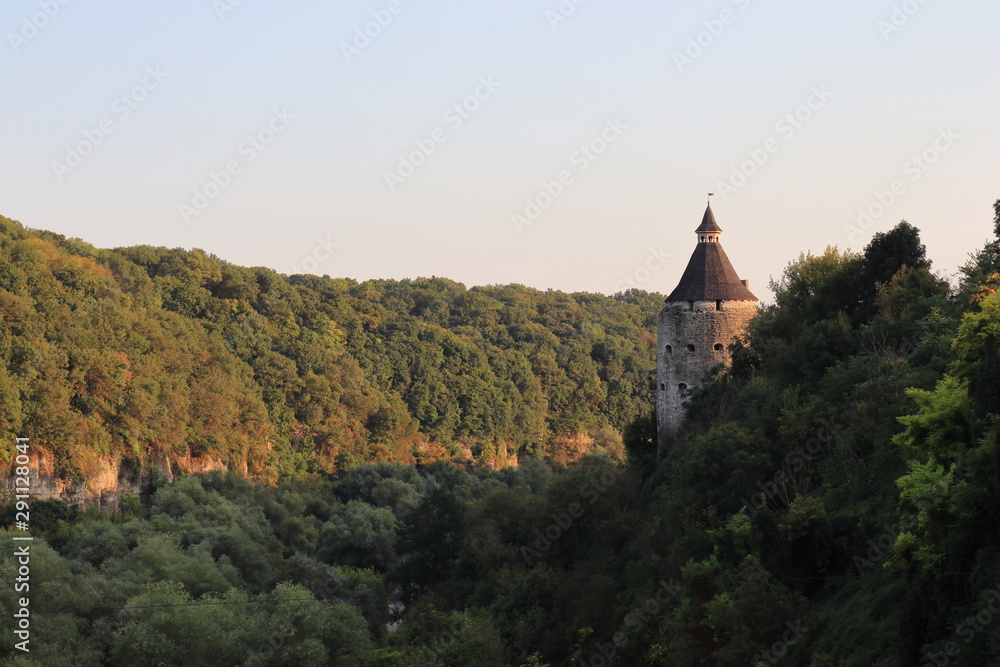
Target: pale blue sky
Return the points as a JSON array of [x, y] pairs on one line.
[[885, 96]]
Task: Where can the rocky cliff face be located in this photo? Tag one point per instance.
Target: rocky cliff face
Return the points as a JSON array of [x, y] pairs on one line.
[[108, 481]]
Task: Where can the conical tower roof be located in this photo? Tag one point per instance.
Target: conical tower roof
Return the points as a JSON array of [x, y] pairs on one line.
[[708, 223], [710, 275]]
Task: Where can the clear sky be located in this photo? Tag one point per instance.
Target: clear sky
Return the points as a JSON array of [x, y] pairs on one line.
[[280, 134]]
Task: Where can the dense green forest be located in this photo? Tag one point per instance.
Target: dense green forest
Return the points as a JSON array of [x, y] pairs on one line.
[[832, 499], [129, 354]]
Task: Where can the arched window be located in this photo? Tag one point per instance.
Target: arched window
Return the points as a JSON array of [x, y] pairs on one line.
[[682, 387], [718, 347], [718, 305], [663, 387], [670, 349], [690, 348]]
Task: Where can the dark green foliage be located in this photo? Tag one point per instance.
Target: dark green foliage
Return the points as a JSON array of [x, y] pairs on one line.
[[831, 500], [359, 535], [883, 257], [639, 440], [983, 267], [431, 539], [996, 219]]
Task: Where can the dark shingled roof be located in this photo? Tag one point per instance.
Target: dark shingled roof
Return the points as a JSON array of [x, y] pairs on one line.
[[708, 223], [710, 275]]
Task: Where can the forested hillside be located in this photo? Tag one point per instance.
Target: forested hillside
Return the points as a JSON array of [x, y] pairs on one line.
[[832, 498], [141, 353]]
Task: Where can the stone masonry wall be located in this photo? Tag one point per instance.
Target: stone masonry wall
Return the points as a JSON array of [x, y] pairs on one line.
[[693, 337]]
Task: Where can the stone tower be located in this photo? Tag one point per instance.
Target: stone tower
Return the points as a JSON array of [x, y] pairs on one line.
[[705, 311]]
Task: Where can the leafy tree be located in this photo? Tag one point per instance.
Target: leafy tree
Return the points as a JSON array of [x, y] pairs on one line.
[[165, 626], [885, 255], [359, 535], [431, 539]]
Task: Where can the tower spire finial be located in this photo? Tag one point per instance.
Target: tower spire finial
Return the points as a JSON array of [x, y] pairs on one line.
[[710, 195]]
